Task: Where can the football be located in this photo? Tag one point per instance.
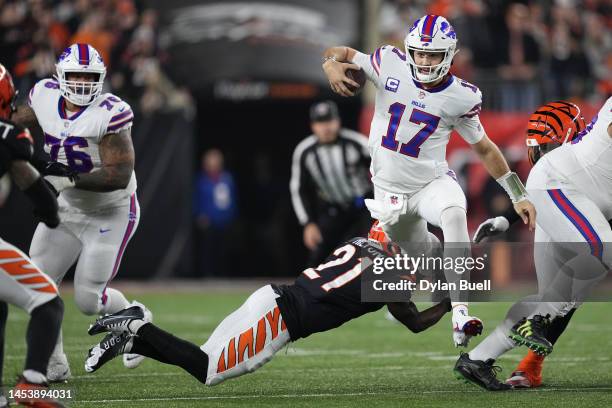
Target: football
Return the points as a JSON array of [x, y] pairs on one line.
[[357, 76]]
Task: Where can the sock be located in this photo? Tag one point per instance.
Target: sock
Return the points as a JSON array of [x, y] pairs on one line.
[[43, 331], [558, 325], [135, 325], [173, 350], [34, 377], [113, 301], [494, 345], [456, 245], [140, 346]]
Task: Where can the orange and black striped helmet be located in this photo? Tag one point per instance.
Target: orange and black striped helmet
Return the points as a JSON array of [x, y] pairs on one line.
[[552, 125]]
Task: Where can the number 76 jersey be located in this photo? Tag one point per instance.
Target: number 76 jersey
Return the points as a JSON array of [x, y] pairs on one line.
[[412, 125], [73, 138]]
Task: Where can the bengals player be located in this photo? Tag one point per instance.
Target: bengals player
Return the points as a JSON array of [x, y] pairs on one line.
[[21, 282], [320, 299]]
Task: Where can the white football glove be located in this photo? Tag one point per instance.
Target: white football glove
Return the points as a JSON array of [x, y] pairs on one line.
[[491, 227], [383, 212], [464, 326], [58, 183]]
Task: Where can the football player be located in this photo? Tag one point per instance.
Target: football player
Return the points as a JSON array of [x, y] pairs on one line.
[[571, 188], [89, 131], [320, 299], [418, 104], [22, 283]]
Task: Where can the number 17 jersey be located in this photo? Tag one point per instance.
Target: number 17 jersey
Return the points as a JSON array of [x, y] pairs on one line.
[[412, 125], [73, 138]]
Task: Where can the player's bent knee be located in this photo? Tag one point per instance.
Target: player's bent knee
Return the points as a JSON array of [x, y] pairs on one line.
[[89, 303]]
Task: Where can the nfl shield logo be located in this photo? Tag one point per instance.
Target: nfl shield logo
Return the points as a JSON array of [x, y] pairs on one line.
[[422, 94], [394, 200]]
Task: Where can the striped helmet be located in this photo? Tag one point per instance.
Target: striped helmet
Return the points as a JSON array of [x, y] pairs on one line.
[[431, 33], [552, 125], [7, 93], [377, 234], [80, 58]]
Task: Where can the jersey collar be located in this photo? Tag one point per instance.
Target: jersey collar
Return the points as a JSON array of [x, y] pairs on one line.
[[438, 88], [61, 109]]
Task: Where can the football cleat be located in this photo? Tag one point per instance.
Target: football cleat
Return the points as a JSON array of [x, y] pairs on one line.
[[481, 373], [58, 369], [130, 360], [521, 379], [110, 347], [532, 333], [25, 395], [117, 322]]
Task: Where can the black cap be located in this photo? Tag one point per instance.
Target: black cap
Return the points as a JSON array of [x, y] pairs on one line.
[[324, 111]]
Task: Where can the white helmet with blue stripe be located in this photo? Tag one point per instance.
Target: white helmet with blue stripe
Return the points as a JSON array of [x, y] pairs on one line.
[[431, 33], [80, 58]]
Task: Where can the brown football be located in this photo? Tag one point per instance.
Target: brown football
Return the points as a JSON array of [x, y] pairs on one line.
[[357, 76]]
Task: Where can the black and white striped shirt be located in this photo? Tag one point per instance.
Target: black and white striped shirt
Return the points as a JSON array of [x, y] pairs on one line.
[[336, 173]]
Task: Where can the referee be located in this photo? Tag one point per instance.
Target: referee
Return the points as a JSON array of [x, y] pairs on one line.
[[329, 179]]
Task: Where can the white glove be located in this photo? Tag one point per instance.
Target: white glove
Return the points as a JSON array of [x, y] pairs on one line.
[[58, 183], [491, 227], [381, 211], [464, 326]]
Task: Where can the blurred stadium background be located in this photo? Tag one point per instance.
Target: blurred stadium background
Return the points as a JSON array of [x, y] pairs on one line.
[[240, 76]]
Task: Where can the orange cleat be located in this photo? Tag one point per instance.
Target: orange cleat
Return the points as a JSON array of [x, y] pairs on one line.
[[33, 395], [528, 373]]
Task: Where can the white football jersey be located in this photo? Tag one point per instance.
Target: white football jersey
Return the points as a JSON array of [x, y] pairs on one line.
[[73, 138], [411, 125], [586, 162]]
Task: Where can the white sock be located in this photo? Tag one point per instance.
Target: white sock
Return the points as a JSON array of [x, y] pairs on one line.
[[135, 325], [115, 301], [34, 377]]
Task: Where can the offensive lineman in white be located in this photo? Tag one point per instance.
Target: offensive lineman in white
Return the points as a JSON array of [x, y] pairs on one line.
[[418, 104], [89, 131], [571, 188]]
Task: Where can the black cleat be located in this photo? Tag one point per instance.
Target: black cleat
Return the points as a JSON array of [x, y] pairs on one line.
[[481, 373], [532, 333], [110, 347], [116, 322]]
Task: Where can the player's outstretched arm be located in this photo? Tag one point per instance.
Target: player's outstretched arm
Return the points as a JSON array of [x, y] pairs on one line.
[[25, 116], [498, 168], [117, 157], [336, 61], [408, 314]]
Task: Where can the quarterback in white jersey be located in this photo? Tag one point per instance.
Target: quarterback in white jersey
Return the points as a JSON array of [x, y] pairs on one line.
[[90, 132], [418, 104]]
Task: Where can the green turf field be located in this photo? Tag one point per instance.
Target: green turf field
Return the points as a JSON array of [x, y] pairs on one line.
[[368, 362]]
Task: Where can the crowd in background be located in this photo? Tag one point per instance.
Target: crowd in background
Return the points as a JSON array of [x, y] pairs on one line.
[[522, 52], [34, 32]]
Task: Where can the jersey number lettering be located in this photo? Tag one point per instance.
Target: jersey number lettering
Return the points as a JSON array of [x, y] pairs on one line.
[[77, 160], [413, 147], [344, 254]]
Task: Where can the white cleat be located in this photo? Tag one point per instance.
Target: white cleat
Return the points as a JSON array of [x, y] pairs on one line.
[[133, 360], [58, 369]]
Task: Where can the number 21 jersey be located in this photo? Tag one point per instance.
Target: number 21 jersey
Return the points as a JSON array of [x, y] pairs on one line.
[[73, 138], [412, 125]]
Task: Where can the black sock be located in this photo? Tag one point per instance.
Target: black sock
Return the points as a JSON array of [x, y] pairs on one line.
[[557, 326], [169, 349], [43, 329], [3, 317], [140, 346]]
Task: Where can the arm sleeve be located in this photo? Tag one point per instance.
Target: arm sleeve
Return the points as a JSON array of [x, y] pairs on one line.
[[468, 125], [302, 196], [370, 64]]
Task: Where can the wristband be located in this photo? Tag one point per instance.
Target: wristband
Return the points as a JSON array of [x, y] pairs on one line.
[[514, 186]]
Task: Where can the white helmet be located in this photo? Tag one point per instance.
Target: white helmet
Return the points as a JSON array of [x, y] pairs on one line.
[[85, 59], [431, 33]]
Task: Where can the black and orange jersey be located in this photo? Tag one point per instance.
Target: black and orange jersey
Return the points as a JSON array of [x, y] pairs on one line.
[[329, 295], [15, 144]]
